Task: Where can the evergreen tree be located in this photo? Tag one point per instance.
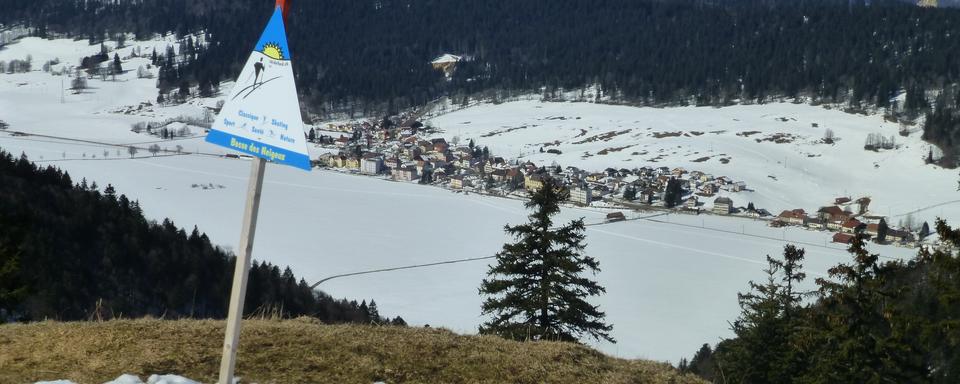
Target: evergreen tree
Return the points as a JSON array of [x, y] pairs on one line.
[[702, 364], [942, 306], [882, 229], [673, 194], [374, 312], [683, 366], [857, 342], [205, 89], [630, 193], [793, 275], [763, 350], [13, 287], [873, 323], [537, 290], [117, 66], [365, 311], [426, 177], [110, 191], [184, 90]]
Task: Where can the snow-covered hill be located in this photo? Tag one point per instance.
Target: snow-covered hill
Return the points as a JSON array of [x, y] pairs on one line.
[[671, 286], [777, 149]]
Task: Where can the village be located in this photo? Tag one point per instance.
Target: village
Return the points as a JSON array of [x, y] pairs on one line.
[[402, 149]]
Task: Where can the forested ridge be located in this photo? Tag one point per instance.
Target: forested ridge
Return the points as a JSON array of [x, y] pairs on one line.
[[372, 56], [71, 252], [870, 321]]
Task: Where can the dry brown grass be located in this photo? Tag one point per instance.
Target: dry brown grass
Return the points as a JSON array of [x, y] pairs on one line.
[[303, 351]]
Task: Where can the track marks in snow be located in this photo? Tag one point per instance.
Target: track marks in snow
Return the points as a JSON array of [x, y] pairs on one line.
[[677, 246]]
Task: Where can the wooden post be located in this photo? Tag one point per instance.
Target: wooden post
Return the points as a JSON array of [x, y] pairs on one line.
[[242, 271]]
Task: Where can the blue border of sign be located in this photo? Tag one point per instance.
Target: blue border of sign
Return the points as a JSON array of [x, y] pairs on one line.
[[258, 149], [275, 33]]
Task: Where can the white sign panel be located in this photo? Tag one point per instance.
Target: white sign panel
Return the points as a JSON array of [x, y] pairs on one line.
[[261, 116]]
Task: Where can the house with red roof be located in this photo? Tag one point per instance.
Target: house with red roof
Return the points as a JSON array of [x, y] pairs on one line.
[[796, 216], [852, 226], [842, 238], [832, 213]]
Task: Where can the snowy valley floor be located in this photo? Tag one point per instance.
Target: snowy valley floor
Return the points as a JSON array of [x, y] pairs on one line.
[[670, 286]]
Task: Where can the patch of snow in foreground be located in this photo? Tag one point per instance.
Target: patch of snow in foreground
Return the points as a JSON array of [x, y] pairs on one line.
[[131, 379], [154, 379], [125, 379], [170, 379]]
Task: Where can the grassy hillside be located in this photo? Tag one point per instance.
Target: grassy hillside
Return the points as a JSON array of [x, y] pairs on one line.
[[303, 351]]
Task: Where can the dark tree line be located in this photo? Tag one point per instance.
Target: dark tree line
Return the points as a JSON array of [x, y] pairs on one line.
[[71, 252], [871, 322]]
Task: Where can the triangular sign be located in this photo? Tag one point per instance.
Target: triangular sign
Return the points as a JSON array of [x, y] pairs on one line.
[[261, 116]]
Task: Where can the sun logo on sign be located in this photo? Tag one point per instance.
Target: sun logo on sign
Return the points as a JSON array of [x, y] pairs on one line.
[[273, 51]]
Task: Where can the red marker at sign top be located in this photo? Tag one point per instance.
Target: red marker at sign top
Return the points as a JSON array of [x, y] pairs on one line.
[[284, 6]]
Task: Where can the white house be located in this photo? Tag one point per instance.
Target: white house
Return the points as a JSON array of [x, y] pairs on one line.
[[581, 195], [371, 166], [722, 206]]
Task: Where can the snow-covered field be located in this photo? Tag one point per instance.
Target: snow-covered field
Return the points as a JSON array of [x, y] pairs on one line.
[[671, 286], [738, 142]]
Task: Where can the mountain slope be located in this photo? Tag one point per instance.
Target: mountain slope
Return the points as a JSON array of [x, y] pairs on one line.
[[68, 251]]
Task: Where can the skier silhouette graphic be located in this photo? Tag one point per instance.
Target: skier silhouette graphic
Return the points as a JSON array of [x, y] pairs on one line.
[[257, 68], [259, 73]]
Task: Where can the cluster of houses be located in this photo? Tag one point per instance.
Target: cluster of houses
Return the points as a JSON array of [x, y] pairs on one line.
[[401, 150], [848, 218]]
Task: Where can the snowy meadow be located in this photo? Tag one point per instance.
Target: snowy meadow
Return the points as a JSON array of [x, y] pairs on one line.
[[671, 281]]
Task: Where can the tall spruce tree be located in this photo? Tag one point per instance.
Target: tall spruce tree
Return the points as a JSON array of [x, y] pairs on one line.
[[117, 66], [537, 290], [882, 230], [939, 310], [703, 364], [12, 287], [857, 340], [763, 350]]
